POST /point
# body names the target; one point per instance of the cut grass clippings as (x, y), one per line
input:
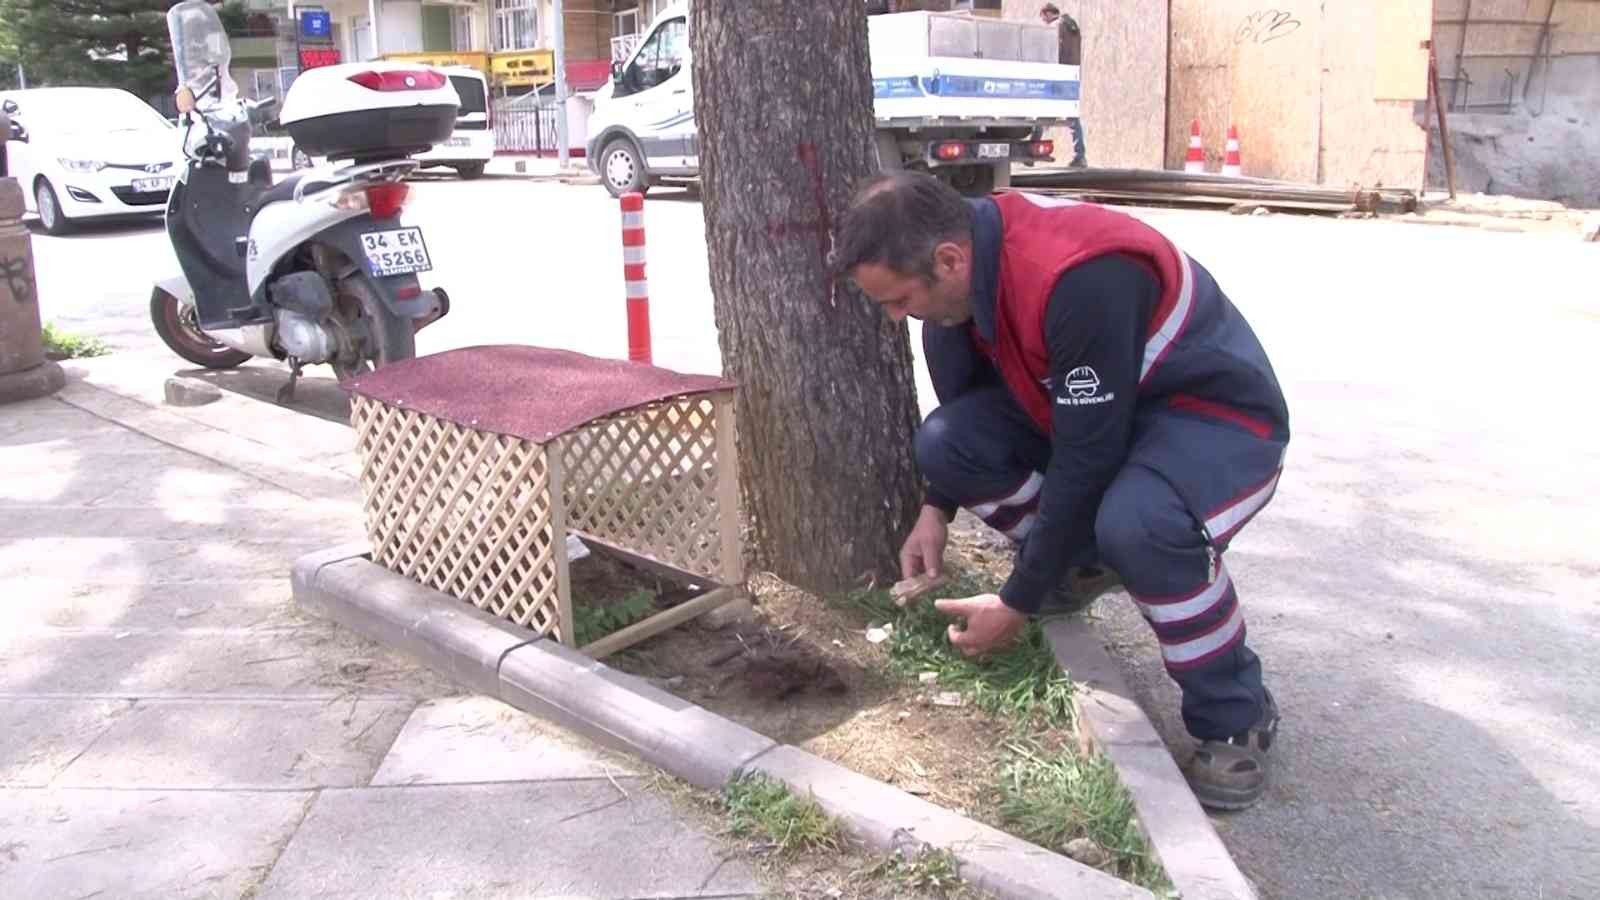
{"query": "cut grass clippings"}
(1022, 685)
(72, 346)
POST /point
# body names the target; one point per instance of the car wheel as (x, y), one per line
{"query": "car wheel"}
(471, 171)
(622, 168)
(50, 215)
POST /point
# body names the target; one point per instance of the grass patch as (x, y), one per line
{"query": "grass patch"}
(758, 806)
(591, 623)
(72, 346)
(1021, 685)
(1050, 797)
(936, 871)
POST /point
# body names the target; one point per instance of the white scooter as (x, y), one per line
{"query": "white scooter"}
(317, 268)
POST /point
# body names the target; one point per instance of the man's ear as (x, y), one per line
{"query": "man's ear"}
(951, 258)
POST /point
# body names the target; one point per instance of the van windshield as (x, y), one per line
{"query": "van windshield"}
(473, 99)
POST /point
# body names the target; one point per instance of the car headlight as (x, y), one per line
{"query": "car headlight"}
(82, 165)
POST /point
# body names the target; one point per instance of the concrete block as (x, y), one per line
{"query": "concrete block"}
(461, 740)
(627, 713)
(39, 381)
(39, 738)
(558, 839)
(182, 391)
(1110, 720)
(141, 843)
(303, 573)
(888, 818)
(448, 636)
(247, 745)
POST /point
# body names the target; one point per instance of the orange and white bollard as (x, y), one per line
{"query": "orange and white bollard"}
(1232, 165)
(638, 290)
(1196, 160)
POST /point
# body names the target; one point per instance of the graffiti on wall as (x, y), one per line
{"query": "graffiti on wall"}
(17, 276)
(1265, 26)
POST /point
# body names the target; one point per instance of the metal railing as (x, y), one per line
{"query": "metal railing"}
(623, 45)
(524, 127)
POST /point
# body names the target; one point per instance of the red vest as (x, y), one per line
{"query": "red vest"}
(1041, 239)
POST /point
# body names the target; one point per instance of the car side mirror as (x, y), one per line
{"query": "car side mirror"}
(616, 70)
(10, 107)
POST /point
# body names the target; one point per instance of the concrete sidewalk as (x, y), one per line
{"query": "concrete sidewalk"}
(171, 726)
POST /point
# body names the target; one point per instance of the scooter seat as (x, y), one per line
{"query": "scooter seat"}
(283, 191)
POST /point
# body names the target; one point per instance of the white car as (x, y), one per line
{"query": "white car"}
(83, 153)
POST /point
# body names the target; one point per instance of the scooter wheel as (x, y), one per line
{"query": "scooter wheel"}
(180, 331)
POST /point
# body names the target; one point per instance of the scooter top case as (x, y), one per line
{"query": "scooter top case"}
(370, 111)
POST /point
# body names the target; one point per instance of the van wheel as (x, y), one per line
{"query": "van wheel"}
(471, 171)
(622, 168)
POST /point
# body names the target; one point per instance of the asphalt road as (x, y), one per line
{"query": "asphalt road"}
(1421, 590)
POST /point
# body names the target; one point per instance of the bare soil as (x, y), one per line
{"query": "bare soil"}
(805, 674)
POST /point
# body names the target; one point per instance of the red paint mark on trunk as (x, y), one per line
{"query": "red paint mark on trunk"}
(813, 165)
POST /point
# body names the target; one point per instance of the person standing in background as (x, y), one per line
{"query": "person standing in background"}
(1071, 54)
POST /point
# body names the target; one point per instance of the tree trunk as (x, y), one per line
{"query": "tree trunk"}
(827, 400)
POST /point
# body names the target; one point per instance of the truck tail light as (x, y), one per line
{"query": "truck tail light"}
(1042, 148)
(400, 80)
(950, 150)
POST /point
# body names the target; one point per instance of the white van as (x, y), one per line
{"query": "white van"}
(470, 146)
(959, 96)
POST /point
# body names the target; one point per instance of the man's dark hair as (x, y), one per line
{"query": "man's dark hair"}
(896, 220)
(1050, 8)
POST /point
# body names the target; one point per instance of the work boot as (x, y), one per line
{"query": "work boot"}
(1232, 774)
(1079, 588)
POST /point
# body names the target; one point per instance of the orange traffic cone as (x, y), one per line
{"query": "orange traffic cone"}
(1231, 165)
(1196, 160)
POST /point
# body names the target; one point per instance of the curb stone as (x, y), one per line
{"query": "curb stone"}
(1179, 831)
(628, 713)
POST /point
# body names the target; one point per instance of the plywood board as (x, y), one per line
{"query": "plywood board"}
(1402, 39)
(1124, 79)
(1365, 141)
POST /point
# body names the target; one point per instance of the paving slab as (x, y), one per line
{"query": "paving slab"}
(480, 739)
(306, 661)
(40, 738)
(140, 845)
(552, 839)
(198, 523)
(157, 558)
(241, 745)
(73, 603)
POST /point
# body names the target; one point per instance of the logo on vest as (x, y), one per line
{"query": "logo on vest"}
(1083, 389)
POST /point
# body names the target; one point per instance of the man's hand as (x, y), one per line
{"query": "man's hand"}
(923, 551)
(991, 625)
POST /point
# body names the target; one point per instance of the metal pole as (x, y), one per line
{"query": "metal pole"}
(561, 83)
(22, 78)
(372, 17)
(1444, 131)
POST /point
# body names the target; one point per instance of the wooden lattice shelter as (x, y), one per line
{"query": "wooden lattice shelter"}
(478, 463)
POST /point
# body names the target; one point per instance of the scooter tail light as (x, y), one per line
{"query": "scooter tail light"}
(386, 200)
(400, 80)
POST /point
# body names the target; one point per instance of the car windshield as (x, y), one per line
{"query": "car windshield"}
(91, 113)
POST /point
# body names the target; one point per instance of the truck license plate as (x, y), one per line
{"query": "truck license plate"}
(398, 252)
(148, 185)
(458, 142)
(994, 151)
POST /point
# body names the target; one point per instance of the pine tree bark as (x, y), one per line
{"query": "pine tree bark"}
(827, 400)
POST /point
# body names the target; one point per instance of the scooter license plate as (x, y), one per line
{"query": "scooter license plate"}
(398, 252)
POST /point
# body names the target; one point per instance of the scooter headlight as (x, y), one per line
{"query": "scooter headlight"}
(82, 165)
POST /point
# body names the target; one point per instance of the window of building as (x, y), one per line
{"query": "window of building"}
(461, 29)
(516, 25)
